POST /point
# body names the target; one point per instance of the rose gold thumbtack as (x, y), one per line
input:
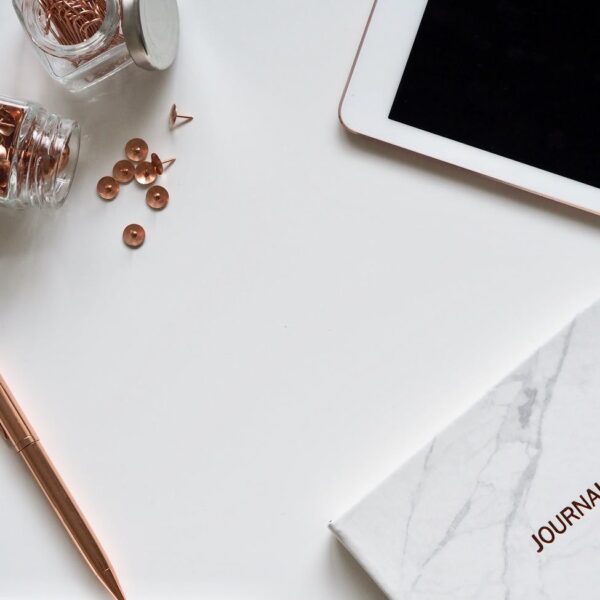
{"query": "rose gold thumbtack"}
(160, 165)
(48, 165)
(157, 197)
(7, 122)
(65, 157)
(124, 171)
(6, 128)
(134, 236)
(136, 150)
(174, 116)
(108, 188)
(145, 173)
(4, 174)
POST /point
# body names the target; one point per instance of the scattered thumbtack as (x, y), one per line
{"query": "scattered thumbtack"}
(174, 116)
(145, 173)
(134, 236)
(160, 165)
(136, 150)
(124, 171)
(108, 188)
(157, 197)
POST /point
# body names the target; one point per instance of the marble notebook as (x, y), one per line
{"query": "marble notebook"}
(505, 503)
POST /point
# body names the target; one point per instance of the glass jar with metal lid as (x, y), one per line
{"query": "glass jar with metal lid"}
(82, 42)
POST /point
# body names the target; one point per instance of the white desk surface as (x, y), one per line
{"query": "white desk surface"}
(310, 309)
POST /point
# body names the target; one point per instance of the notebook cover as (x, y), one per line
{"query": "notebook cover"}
(505, 503)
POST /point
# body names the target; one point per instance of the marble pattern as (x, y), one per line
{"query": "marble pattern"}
(456, 521)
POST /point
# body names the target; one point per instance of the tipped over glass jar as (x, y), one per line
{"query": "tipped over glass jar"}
(38, 155)
(83, 42)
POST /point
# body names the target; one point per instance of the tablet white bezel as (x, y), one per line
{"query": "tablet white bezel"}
(372, 87)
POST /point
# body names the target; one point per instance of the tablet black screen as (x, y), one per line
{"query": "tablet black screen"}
(519, 78)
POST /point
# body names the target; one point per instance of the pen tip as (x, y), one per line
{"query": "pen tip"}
(111, 582)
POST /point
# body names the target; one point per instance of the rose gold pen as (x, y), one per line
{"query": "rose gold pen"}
(16, 429)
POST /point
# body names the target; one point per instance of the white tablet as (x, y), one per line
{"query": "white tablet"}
(506, 88)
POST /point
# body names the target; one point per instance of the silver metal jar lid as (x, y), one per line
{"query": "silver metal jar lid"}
(151, 29)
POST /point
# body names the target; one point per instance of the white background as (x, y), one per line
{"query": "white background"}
(310, 309)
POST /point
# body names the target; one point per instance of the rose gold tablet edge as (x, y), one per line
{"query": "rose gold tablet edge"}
(360, 45)
(502, 181)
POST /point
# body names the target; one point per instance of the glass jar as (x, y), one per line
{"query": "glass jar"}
(38, 155)
(83, 42)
